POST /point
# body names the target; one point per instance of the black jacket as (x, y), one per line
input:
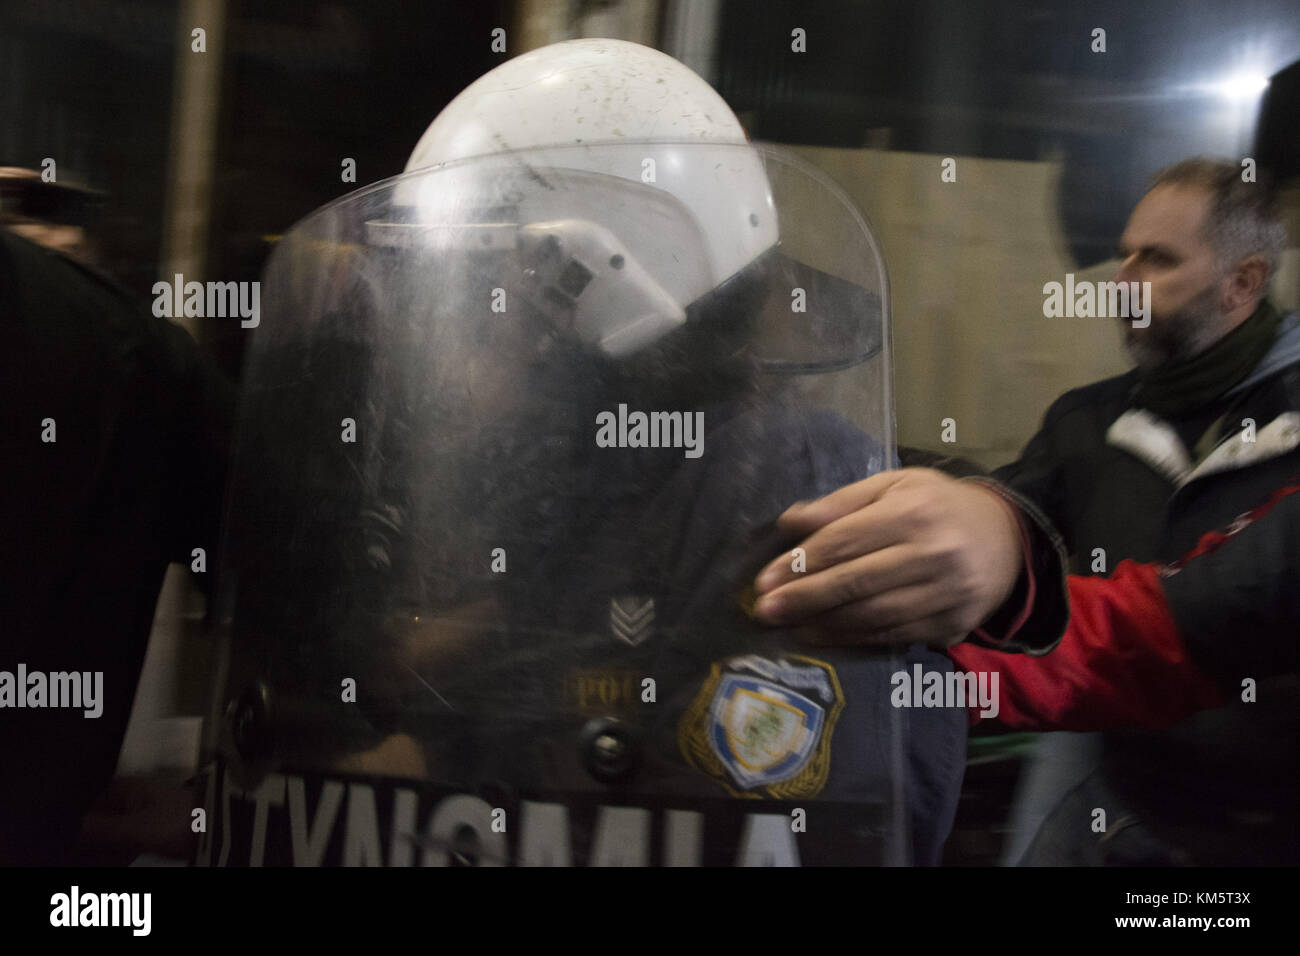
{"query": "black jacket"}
(90, 520)
(1219, 787)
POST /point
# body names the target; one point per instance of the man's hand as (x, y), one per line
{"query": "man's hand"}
(904, 556)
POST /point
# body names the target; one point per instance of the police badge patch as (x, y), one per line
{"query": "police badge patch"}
(763, 726)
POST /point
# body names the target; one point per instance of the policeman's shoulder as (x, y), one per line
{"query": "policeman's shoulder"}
(63, 294)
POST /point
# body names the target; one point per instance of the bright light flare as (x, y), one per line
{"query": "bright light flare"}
(1241, 87)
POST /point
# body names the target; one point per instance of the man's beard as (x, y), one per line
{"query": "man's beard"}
(1178, 336)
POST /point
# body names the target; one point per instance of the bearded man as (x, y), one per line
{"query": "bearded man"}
(1203, 435)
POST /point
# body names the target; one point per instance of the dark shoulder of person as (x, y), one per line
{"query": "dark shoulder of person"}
(103, 402)
(113, 436)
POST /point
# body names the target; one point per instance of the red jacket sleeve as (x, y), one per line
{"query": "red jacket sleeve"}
(1121, 663)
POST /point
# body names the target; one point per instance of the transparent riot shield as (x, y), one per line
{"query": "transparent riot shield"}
(514, 435)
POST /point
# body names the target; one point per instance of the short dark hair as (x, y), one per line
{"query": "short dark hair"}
(1243, 219)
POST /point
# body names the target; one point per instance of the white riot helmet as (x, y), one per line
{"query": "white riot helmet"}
(666, 219)
(569, 338)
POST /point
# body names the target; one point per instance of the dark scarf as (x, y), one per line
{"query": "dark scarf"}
(1183, 388)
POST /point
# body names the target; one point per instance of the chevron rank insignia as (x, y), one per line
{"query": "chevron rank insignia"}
(632, 618)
